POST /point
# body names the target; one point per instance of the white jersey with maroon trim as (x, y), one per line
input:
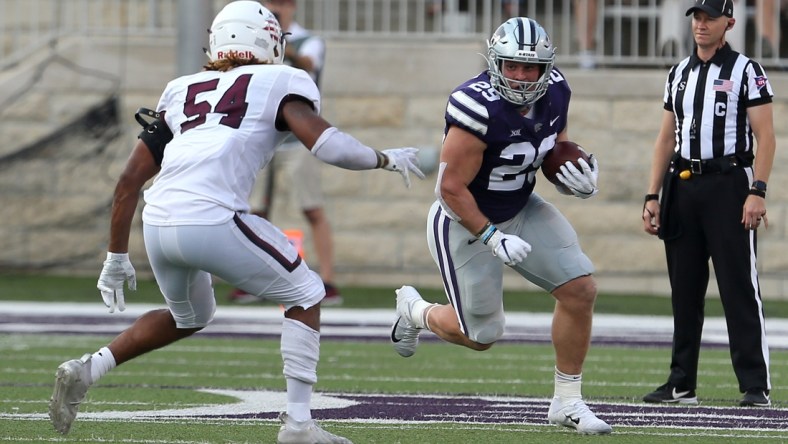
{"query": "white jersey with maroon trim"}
(224, 131)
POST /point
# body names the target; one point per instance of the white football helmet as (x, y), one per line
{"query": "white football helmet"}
(522, 40)
(247, 29)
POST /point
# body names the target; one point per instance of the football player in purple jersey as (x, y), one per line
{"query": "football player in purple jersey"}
(499, 127)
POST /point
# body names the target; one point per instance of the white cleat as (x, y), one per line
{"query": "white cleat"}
(306, 432)
(404, 333)
(575, 414)
(72, 380)
(404, 337)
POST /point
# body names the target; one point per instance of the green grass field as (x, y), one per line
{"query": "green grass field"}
(169, 379)
(83, 289)
(174, 379)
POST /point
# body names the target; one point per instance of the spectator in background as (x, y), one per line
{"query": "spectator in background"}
(455, 15)
(308, 52)
(585, 21)
(513, 8)
(585, 15)
(768, 16)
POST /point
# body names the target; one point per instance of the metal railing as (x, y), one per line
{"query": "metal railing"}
(627, 32)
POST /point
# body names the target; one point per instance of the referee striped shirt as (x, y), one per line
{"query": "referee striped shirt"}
(710, 101)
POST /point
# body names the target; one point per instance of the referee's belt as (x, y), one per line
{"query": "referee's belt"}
(709, 166)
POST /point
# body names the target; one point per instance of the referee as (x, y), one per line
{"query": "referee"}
(718, 108)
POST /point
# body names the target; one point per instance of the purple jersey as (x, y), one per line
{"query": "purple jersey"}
(516, 145)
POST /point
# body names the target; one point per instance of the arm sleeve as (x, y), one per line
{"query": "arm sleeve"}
(345, 151)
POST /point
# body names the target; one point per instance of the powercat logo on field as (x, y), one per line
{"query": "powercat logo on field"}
(381, 408)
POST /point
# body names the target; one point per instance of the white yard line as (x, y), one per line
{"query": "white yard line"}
(361, 323)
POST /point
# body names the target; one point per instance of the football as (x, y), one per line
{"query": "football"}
(561, 153)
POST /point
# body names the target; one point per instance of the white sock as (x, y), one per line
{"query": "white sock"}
(427, 315)
(299, 397)
(101, 362)
(418, 312)
(568, 386)
(300, 346)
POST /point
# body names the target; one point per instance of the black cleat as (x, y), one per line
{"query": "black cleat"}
(756, 398)
(668, 393)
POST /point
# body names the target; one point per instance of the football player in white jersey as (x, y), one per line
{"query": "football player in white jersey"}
(225, 123)
(302, 171)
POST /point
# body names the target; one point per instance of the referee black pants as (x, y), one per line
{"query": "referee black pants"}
(708, 210)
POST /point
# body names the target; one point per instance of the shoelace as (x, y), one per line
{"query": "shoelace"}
(410, 333)
(319, 430)
(581, 409)
(313, 427)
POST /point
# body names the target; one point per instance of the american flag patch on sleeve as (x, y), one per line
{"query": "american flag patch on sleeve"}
(722, 85)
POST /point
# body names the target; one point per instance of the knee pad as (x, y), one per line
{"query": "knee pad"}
(189, 315)
(490, 331)
(300, 346)
(204, 316)
(489, 334)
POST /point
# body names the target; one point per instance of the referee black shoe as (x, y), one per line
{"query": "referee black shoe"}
(756, 398)
(669, 393)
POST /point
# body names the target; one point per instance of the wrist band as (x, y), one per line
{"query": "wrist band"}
(759, 185)
(759, 193)
(488, 233)
(381, 159)
(484, 228)
(650, 197)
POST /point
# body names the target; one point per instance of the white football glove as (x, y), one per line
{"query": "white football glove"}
(117, 269)
(581, 184)
(563, 189)
(403, 160)
(509, 248)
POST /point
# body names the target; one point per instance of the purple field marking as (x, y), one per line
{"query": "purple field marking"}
(502, 410)
(379, 408)
(398, 408)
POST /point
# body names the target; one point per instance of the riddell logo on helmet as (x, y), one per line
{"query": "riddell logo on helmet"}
(529, 54)
(235, 54)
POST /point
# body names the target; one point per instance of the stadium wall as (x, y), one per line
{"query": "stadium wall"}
(388, 94)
